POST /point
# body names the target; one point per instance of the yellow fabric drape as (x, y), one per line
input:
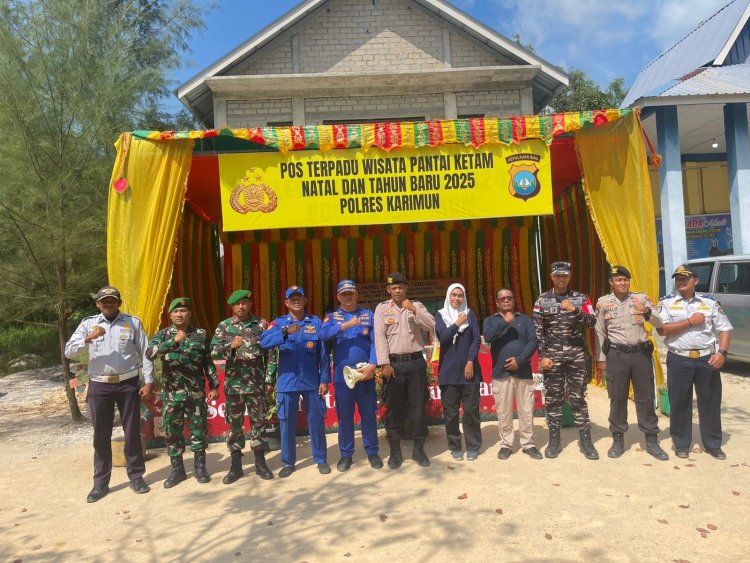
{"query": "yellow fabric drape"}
(618, 195)
(143, 222)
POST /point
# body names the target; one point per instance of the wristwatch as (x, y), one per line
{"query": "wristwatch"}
(285, 331)
(724, 352)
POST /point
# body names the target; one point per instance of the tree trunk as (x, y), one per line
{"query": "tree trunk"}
(62, 332)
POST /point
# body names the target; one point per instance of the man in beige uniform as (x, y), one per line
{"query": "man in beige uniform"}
(624, 351)
(399, 326)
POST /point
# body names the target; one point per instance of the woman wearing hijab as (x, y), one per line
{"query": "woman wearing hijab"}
(459, 374)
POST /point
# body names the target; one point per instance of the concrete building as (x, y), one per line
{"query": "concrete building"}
(344, 61)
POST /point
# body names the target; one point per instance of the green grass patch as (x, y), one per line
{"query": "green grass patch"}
(16, 341)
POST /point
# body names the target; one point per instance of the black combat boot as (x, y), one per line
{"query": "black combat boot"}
(553, 447)
(618, 445)
(178, 473)
(396, 458)
(653, 448)
(235, 471)
(260, 465)
(586, 445)
(418, 454)
(199, 467)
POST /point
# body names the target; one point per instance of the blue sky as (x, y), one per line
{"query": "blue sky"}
(605, 38)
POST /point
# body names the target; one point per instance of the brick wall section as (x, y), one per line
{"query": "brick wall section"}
(258, 113)
(275, 58)
(341, 40)
(318, 110)
(491, 103)
(467, 53)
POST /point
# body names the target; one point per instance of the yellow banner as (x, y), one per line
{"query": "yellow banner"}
(349, 187)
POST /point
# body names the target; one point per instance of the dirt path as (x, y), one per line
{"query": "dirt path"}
(631, 509)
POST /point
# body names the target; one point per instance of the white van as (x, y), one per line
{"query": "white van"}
(728, 279)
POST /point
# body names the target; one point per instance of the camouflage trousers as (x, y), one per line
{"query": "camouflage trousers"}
(173, 415)
(255, 404)
(570, 369)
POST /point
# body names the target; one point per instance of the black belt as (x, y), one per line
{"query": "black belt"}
(568, 341)
(405, 357)
(627, 348)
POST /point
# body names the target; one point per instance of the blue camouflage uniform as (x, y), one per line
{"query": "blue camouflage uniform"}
(303, 365)
(351, 346)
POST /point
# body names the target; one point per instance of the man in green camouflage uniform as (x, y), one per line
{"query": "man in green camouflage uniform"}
(236, 341)
(186, 360)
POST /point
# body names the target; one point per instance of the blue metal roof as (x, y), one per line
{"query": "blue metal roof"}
(698, 49)
(734, 79)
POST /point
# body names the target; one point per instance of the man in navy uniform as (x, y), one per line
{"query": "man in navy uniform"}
(349, 330)
(304, 370)
(690, 323)
(115, 342)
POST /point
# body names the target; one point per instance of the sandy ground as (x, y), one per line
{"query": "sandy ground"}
(630, 509)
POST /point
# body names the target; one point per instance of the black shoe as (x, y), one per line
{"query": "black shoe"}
(286, 471)
(682, 452)
(654, 449)
(375, 461)
(618, 445)
(97, 493)
(324, 468)
(419, 455)
(199, 467)
(586, 445)
(718, 453)
(261, 468)
(504, 453)
(395, 459)
(235, 470)
(139, 486)
(533, 453)
(344, 464)
(178, 473)
(553, 447)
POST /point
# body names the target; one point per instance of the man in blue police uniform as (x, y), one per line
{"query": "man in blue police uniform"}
(690, 323)
(115, 342)
(349, 330)
(304, 370)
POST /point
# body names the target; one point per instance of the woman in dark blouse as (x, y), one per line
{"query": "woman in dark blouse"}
(459, 374)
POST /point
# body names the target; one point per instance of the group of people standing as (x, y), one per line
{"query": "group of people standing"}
(291, 357)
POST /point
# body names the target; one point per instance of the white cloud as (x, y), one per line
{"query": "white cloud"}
(674, 19)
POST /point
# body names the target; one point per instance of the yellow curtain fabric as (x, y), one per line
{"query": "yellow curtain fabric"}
(618, 195)
(143, 222)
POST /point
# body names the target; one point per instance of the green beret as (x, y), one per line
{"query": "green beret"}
(179, 302)
(239, 295)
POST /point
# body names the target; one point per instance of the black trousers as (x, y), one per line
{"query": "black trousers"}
(682, 374)
(453, 396)
(622, 368)
(102, 399)
(406, 395)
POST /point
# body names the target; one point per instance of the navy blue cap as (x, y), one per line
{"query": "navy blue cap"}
(294, 289)
(346, 285)
(560, 268)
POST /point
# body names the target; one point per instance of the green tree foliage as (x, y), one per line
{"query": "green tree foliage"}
(73, 75)
(584, 94)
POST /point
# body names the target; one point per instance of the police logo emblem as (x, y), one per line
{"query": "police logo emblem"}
(524, 175)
